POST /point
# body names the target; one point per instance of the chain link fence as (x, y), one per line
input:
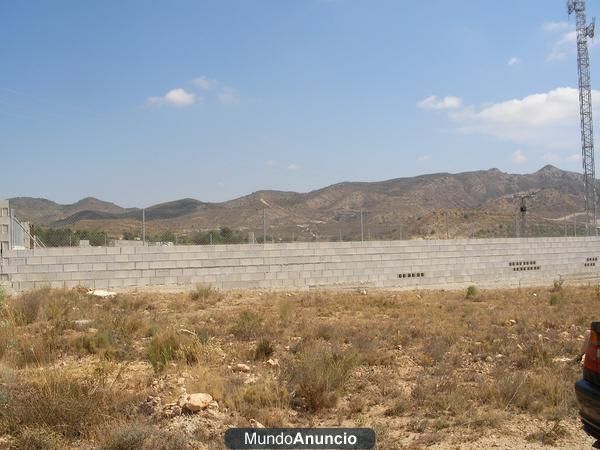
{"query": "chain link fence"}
(357, 226)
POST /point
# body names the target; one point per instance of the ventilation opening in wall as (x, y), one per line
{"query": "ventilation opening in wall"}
(411, 275)
(522, 264)
(524, 269)
(590, 261)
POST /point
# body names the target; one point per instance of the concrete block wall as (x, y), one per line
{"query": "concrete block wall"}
(382, 264)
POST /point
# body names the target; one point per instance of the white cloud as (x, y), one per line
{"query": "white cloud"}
(293, 167)
(518, 157)
(227, 96)
(175, 97)
(549, 119)
(424, 158)
(514, 61)
(563, 46)
(550, 157)
(575, 157)
(205, 83)
(433, 102)
(555, 26)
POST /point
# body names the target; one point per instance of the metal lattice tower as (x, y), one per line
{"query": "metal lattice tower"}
(585, 31)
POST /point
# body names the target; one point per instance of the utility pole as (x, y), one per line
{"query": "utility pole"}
(585, 32)
(144, 226)
(362, 229)
(446, 217)
(266, 205)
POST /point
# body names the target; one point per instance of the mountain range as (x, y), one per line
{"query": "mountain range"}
(462, 205)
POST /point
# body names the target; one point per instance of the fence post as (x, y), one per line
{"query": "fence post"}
(362, 230)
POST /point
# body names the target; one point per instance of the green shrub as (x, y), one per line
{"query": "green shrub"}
(557, 285)
(471, 292)
(554, 299)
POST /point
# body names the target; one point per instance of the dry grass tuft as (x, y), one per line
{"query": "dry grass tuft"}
(264, 349)
(248, 325)
(318, 374)
(169, 346)
(69, 404)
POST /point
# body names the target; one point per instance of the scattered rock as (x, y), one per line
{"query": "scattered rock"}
(214, 405)
(150, 406)
(273, 362)
(82, 322)
(241, 368)
(251, 379)
(586, 341)
(362, 292)
(172, 410)
(512, 322)
(489, 359)
(197, 402)
(256, 424)
(562, 359)
(184, 331)
(102, 293)
(92, 330)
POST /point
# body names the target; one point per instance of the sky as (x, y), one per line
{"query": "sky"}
(139, 102)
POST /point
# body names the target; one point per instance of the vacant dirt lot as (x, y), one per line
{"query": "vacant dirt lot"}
(424, 369)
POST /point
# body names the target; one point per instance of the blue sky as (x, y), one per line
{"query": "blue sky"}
(140, 102)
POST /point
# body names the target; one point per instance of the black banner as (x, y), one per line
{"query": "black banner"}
(300, 438)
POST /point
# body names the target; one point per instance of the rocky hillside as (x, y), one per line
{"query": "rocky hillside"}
(484, 196)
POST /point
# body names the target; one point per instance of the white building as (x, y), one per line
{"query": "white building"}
(5, 225)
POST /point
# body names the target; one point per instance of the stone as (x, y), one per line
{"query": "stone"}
(256, 424)
(82, 322)
(586, 341)
(150, 406)
(241, 368)
(273, 362)
(197, 402)
(252, 379)
(102, 293)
